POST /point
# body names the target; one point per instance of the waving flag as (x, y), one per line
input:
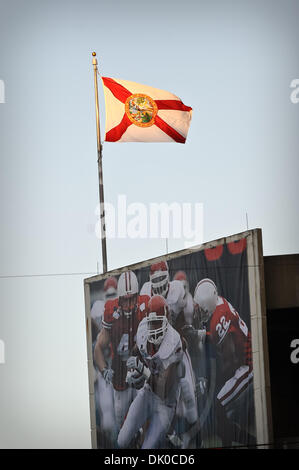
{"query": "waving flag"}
(140, 113)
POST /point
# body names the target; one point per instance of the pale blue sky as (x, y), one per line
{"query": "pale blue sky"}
(232, 61)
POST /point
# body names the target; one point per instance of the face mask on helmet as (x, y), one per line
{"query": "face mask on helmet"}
(159, 283)
(110, 288)
(156, 328)
(110, 294)
(202, 314)
(128, 304)
(127, 292)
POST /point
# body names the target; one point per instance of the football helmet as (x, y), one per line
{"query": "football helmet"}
(110, 288)
(157, 319)
(181, 276)
(127, 292)
(205, 299)
(159, 278)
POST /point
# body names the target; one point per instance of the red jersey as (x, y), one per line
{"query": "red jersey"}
(226, 321)
(123, 335)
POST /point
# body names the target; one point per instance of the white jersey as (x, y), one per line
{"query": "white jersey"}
(188, 308)
(174, 298)
(169, 352)
(149, 406)
(97, 312)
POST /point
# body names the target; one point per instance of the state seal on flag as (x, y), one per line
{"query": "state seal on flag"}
(141, 109)
(140, 113)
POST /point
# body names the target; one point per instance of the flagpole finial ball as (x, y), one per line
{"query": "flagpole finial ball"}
(94, 54)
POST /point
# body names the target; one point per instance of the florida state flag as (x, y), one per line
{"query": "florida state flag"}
(140, 113)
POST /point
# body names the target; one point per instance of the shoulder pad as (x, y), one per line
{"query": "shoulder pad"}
(141, 338)
(170, 343)
(110, 312)
(146, 289)
(176, 292)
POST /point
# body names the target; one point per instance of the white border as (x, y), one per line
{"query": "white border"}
(261, 374)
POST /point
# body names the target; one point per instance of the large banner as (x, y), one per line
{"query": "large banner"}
(172, 354)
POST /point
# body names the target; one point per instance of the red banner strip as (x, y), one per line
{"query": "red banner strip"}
(237, 247)
(212, 254)
(172, 104)
(169, 130)
(119, 91)
(116, 132)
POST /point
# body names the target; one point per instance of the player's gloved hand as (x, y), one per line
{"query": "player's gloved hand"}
(135, 379)
(190, 334)
(201, 335)
(107, 374)
(133, 363)
(202, 385)
(185, 438)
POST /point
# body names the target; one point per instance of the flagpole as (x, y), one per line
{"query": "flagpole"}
(100, 169)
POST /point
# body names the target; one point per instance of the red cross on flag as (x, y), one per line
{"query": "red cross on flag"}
(140, 113)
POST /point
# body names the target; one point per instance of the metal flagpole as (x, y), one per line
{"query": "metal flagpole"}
(100, 169)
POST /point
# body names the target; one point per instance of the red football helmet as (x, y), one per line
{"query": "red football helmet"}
(159, 277)
(182, 276)
(157, 319)
(110, 288)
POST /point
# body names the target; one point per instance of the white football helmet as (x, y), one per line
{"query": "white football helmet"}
(157, 320)
(159, 277)
(127, 292)
(205, 299)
